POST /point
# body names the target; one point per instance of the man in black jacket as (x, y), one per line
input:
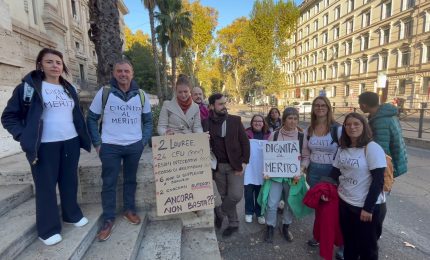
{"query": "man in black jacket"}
(231, 147)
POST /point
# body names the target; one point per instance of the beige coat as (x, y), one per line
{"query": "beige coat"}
(172, 117)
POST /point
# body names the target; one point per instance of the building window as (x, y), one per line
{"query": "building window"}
(81, 71)
(300, 34)
(307, 30)
(347, 68)
(384, 36)
(77, 45)
(428, 53)
(315, 42)
(324, 73)
(350, 5)
(408, 4)
(337, 13)
(348, 47)
(325, 20)
(335, 32)
(363, 65)
(405, 58)
(316, 25)
(325, 37)
(34, 4)
(383, 62)
(426, 21)
(334, 71)
(408, 28)
(364, 42)
(402, 86)
(366, 19)
(335, 51)
(74, 10)
(315, 58)
(386, 10)
(326, 3)
(362, 88)
(347, 90)
(324, 54)
(349, 26)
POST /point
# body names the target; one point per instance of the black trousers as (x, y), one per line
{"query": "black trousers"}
(58, 163)
(360, 238)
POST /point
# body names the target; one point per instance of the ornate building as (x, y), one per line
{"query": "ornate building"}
(27, 26)
(342, 48)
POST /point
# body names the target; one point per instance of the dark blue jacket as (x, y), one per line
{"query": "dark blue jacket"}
(93, 118)
(24, 121)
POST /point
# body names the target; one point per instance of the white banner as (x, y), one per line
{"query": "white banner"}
(282, 159)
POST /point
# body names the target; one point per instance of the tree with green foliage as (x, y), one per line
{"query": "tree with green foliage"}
(177, 26)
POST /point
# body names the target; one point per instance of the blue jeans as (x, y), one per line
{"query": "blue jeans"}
(111, 156)
(251, 195)
(316, 171)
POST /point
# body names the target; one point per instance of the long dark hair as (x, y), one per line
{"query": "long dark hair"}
(269, 117)
(265, 128)
(330, 119)
(366, 135)
(45, 51)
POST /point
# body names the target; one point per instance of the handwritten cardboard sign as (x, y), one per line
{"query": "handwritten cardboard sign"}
(281, 159)
(183, 175)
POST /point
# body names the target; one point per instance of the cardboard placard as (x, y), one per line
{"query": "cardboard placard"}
(282, 159)
(183, 175)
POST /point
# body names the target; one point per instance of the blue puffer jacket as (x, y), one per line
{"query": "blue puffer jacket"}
(25, 123)
(387, 132)
(93, 118)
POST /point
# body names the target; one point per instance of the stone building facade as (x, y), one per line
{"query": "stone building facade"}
(342, 48)
(29, 25)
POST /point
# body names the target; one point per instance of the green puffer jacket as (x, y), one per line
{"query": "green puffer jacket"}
(387, 132)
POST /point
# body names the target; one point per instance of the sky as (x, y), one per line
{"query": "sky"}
(228, 11)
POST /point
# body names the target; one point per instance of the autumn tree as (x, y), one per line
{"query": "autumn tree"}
(105, 34)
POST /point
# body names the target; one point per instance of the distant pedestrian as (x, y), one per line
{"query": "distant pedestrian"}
(230, 145)
(198, 98)
(359, 168)
(386, 129)
(181, 114)
(254, 171)
(273, 119)
(43, 114)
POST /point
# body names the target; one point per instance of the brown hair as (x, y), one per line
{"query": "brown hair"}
(366, 135)
(45, 51)
(183, 80)
(265, 128)
(330, 119)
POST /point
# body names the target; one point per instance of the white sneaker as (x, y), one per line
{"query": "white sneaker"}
(52, 240)
(248, 218)
(80, 223)
(261, 220)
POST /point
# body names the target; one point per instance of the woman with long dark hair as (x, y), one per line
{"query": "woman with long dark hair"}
(43, 114)
(273, 119)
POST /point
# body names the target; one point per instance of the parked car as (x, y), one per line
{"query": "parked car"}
(302, 106)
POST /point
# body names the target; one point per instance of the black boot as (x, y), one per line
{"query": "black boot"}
(269, 234)
(286, 233)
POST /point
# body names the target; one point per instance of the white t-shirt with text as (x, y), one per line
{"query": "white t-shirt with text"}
(322, 148)
(57, 114)
(355, 178)
(122, 120)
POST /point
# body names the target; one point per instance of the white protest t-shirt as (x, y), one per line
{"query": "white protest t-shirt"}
(355, 178)
(122, 120)
(254, 169)
(57, 114)
(322, 148)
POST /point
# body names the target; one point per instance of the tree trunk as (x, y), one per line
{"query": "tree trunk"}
(105, 34)
(173, 74)
(164, 65)
(155, 54)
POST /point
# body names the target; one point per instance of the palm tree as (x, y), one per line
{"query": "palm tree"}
(105, 33)
(177, 27)
(150, 5)
(163, 40)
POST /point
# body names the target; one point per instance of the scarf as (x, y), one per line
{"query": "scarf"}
(185, 105)
(291, 133)
(218, 124)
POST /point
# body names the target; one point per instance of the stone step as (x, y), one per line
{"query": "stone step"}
(17, 229)
(162, 240)
(199, 242)
(75, 240)
(13, 195)
(124, 242)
